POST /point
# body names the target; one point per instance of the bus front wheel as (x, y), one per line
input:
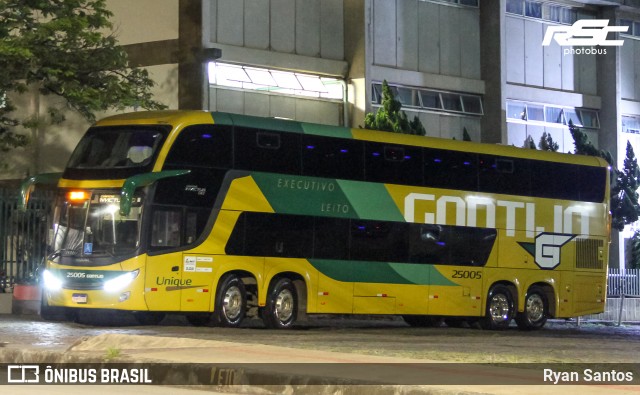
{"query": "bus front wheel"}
(231, 302)
(500, 308)
(536, 310)
(281, 309)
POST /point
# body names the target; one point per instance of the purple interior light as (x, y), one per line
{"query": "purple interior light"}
(206, 136)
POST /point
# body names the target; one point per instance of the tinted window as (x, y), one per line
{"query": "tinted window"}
(450, 169)
(331, 238)
(332, 158)
(498, 174)
(202, 145)
(378, 241)
(555, 180)
(278, 235)
(267, 151)
(393, 164)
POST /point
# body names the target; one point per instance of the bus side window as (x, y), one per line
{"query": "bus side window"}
(260, 150)
(393, 164)
(166, 228)
(332, 158)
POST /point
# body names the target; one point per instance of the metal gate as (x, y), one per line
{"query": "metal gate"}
(23, 235)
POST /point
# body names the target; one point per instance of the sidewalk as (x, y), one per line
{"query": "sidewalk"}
(263, 369)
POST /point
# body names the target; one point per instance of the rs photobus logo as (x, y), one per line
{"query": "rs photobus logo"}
(585, 32)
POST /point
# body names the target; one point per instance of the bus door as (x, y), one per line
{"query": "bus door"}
(162, 277)
(196, 284)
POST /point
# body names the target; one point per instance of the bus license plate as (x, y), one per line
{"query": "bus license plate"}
(79, 298)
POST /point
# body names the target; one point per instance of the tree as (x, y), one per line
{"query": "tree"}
(391, 118)
(627, 210)
(529, 143)
(58, 47)
(547, 144)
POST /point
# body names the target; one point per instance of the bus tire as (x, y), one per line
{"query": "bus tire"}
(281, 309)
(51, 313)
(536, 310)
(231, 302)
(423, 320)
(500, 308)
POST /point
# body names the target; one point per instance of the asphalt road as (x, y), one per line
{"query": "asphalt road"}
(559, 341)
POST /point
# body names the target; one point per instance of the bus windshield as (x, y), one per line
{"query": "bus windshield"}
(95, 228)
(116, 147)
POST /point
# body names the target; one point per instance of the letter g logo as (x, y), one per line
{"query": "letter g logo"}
(546, 249)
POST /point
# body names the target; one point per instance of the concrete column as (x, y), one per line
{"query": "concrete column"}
(191, 78)
(609, 137)
(493, 71)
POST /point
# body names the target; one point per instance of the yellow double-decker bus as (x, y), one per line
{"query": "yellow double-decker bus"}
(219, 216)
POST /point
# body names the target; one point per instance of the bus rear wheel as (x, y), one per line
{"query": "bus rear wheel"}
(231, 302)
(500, 308)
(281, 309)
(536, 310)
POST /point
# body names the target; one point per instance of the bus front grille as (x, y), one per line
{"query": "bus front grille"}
(589, 254)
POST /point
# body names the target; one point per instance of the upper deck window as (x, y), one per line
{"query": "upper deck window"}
(116, 147)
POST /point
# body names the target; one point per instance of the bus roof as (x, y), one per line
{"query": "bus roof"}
(177, 118)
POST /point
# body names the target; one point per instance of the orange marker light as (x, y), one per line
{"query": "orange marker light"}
(77, 195)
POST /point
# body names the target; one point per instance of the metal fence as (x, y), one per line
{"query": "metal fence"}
(23, 235)
(623, 282)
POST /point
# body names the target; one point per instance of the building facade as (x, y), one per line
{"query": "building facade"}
(478, 66)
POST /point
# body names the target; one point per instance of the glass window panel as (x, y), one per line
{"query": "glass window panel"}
(553, 114)
(515, 6)
(589, 118)
(554, 13)
(471, 3)
(533, 9)
(572, 115)
(311, 83)
(628, 23)
(286, 80)
(569, 16)
(260, 76)
(431, 99)
(232, 73)
(516, 110)
(636, 29)
(472, 104)
(535, 112)
(376, 93)
(451, 102)
(408, 97)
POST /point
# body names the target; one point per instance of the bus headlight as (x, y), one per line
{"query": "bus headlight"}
(120, 282)
(50, 281)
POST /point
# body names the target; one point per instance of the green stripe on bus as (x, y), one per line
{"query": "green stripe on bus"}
(371, 201)
(304, 195)
(327, 197)
(381, 272)
(327, 131)
(258, 123)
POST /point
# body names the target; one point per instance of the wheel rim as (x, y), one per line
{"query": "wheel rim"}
(499, 308)
(284, 305)
(535, 308)
(232, 303)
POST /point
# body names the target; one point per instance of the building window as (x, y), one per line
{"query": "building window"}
(468, 3)
(545, 11)
(274, 81)
(631, 124)
(431, 100)
(532, 112)
(634, 27)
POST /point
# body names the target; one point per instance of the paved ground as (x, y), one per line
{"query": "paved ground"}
(265, 368)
